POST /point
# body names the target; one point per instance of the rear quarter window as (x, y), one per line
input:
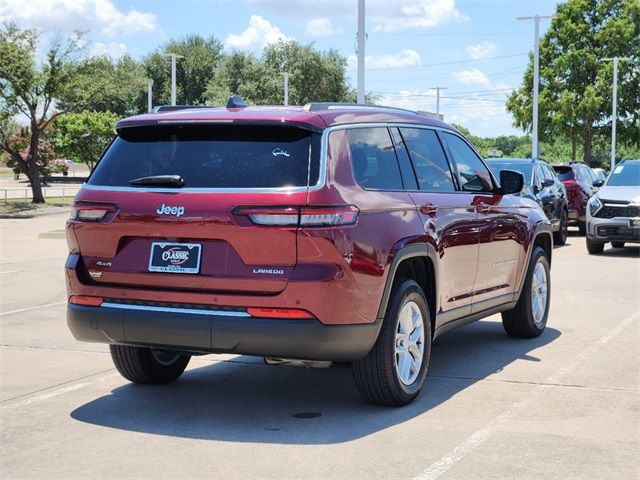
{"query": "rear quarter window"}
(373, 156)
(205, 156)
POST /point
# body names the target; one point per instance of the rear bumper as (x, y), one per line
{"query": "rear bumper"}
(209, 331)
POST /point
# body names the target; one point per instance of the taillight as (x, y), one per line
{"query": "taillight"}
(273, 216)
(91, 212)
(301, 216)
(278, 313)
(85, 300)
(328, 216)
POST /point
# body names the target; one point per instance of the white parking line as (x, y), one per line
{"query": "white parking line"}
(436, 469)
(51, 392)
(47, 305)
(8, 271)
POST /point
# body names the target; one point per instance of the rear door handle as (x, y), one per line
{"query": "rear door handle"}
(428, 209)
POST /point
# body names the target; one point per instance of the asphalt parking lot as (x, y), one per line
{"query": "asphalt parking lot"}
(564, 405)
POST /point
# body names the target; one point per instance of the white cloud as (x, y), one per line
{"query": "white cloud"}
(482, 50)
(68, 15)
(471, 77)
(321, 27)
(258, 34)
(406, 58)
(115, 50)
(397, 15)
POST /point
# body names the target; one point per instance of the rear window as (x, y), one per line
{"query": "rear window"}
(205, 156)
(564, 173)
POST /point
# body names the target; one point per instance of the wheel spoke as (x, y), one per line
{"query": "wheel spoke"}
(405, 365)
(416, 354)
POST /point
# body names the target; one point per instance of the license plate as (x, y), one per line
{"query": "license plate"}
(175, 257)
(634, 223)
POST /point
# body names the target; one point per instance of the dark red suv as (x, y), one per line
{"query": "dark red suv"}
(328, 232)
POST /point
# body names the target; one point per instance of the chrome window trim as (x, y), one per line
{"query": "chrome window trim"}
(195, 311)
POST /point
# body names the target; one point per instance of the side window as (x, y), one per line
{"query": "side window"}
(549, 172)
(374, 159)
(429, 162)
(474, 176)
(539, 176)
(408, 177)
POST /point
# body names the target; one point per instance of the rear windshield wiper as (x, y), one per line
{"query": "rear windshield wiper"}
(159, 181)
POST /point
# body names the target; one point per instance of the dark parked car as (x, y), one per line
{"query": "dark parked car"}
(324, 233)
(581, 183)
(542, 185)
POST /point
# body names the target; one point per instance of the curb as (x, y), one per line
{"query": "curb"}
(35, 212)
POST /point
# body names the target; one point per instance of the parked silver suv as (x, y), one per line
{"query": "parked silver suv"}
(613, 214)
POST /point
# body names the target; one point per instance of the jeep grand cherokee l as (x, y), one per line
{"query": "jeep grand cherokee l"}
(324, 233)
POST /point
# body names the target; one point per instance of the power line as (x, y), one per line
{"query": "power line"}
(455, 62)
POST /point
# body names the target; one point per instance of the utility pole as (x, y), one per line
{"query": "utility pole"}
(173, 57)
(437, 89)
(614, 106)
(149, 95)
(360, 52)
(536, 80)
(286, 88)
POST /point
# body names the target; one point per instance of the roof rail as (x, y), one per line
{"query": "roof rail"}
(173, 108)
(320, 106)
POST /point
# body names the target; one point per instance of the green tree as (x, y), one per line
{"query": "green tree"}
(243, 74)
(31, 90)
(106, 85)
(575, 85)
(193, 72)
(84, 136)
(315, 76)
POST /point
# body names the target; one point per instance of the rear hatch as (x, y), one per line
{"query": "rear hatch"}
(188, 207)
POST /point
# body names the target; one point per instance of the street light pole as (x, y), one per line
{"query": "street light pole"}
(614, 107)
(437, 89)
(149, 95)
(173, 57)
(536, 80)
(360, 52)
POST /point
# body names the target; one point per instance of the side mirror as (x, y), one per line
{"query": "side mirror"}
(547, 182)
(598, 183)
(511, 182)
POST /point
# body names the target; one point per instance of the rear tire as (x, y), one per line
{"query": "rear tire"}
(617, 244)
(148, 366)
(560, 237)
(594, 248)
(528, 318)
(394, 372)
(582, 228)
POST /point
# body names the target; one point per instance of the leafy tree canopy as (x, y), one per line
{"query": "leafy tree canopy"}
(575, 85)
(83, 137)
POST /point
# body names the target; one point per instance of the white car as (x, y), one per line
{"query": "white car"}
(613, 214)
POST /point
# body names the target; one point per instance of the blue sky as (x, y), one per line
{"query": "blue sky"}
(475, 48)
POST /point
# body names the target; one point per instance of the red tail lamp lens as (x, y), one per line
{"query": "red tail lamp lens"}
(85, 212)
(85, 300)
(278, 313)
